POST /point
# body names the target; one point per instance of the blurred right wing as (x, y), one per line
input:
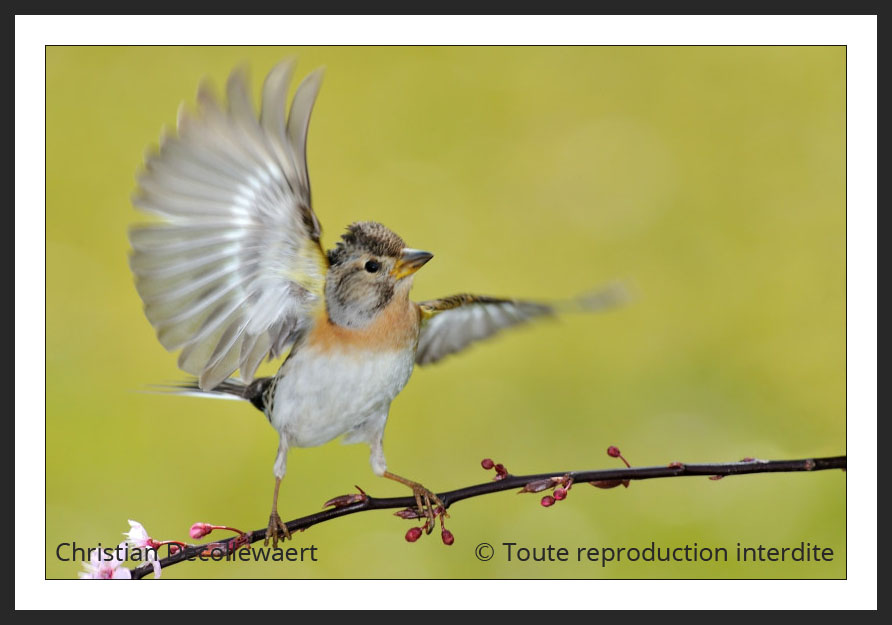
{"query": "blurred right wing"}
(451, 324)
(235, 270)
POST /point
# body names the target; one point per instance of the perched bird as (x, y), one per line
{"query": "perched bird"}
(235, 272)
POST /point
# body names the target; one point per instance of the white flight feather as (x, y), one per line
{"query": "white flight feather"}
(221, 276)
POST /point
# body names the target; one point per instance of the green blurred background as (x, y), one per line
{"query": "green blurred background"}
(711, 179)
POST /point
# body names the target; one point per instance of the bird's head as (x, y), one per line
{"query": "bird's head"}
(369, 267)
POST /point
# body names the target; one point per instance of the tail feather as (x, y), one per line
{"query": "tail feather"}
(228, 389)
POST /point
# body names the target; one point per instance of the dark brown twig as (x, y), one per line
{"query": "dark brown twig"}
(222, 548)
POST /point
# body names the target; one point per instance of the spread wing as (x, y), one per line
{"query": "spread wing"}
(234, 269)
(451, 324)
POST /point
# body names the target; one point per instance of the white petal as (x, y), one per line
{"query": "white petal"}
(121, 572)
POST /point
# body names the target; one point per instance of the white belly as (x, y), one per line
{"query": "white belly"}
(320, 396)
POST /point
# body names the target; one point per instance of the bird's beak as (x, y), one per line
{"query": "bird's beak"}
(409, 262)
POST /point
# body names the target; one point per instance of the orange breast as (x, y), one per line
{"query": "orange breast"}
(395, 329)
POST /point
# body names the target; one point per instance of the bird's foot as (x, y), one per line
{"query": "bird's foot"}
(275, 528)
(429, 506)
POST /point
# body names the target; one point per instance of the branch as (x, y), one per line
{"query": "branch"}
(504, 481)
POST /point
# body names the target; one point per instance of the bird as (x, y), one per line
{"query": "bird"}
(231, 270)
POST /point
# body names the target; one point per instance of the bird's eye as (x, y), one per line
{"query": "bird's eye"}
(372, 266)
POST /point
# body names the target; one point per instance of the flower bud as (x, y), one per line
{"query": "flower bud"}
(447, 537)
(413, 534)
(537, 486)
(606, 483)
(345, 500)
(547, 501)
(200, 529)
(487, 463)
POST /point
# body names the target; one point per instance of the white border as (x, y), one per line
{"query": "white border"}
(859, 33)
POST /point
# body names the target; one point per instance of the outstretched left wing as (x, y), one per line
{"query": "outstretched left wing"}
(234, 270)
(451, 324)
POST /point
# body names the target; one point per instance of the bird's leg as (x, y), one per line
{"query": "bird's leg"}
(423, 499)
(275, 521)
(276, 526)
(428, 504)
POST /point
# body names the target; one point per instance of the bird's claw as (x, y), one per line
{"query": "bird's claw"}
(429, 506)
(275, 527)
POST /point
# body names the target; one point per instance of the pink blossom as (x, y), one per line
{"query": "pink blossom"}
(152, 556)
(138, 537)
(99, 567)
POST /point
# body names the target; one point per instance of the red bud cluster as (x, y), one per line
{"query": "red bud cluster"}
(501, 471)
(560, 485)
(429, 523)
(614, 452)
